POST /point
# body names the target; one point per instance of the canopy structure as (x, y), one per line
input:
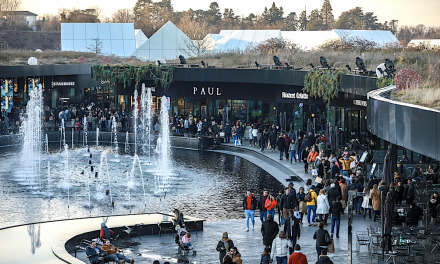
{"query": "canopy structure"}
(426, 43)
(380, 37)
(240, 40)
(139, 37)
(308, 40)
(167, 43)
(116, 39)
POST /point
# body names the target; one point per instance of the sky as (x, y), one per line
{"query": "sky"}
(408, 12)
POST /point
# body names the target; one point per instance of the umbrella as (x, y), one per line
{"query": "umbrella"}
(309, 127)
(389, 211)
(390, 164)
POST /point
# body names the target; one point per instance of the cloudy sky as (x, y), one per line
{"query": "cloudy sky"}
(408, 12)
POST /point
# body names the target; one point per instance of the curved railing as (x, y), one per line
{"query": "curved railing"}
(413, 127)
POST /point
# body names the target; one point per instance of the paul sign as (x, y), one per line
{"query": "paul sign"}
(207, 91)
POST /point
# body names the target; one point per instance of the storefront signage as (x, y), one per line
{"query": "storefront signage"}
(63, 83)
(206, 91)
(287, 95)
(360, 103)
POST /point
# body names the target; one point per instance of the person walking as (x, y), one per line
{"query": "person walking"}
(249, 206)
(262, 206)
(375, 200)
(311, 199)
(281, 144)
(304, 155)
(322, 238)
(336, 210)
(323, 207)
(287, 146)
(270, 205)
(292, 229)
(367, 202)
(280, 248)
(293, 149)
(297, 257)
(224, 246)
(302, 205)
(269, 230)
(323, 258)
(286, 202)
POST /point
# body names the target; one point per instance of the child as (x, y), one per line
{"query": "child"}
(186, 239)
(265, 257)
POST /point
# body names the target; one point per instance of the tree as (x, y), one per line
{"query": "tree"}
(7, 8)
(213, 15)
(48, 23)
(150, 16)
(370, 21)
(315, 21)
(274, 14)
(78, 16)
(123, 16)
(291, 22)
(196, 31)
(95, 46)
(328, 20)
(303, 21)
(351, 19)
(229, 18)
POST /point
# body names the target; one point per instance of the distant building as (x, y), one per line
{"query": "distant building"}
(21, 17)
(425, 43)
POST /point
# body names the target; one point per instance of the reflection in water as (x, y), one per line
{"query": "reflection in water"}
(34, 233)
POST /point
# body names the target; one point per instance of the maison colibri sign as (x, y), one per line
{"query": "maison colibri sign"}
(206, 91)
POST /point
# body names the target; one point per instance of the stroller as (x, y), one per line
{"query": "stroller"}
(182, 248)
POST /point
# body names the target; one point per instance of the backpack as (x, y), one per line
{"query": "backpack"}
(308, 197)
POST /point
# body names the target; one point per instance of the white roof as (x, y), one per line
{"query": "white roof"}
(139, 37)
(166, 43)
(428, 43)
(380, 37)
(112, 38)
(308, 40)
(240, 40)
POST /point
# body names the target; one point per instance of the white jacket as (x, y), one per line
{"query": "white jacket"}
(280, 247)
(323, 206)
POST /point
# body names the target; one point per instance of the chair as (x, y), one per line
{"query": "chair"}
(362, 239)
(135, 230)
(165, 226)
(191, 227)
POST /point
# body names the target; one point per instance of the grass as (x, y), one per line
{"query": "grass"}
(424, 96)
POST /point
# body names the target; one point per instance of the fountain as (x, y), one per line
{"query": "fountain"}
(115, 132)
(47, 145)
(163, 142)
(135, 116)
(85, 144)
(127, 144)
(32, 133)
(97, 136)
(100, 174)
(149, 118)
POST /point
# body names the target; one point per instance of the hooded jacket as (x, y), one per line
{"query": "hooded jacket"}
(297, 258)
(324, 260)
(269, 230)
(253, 205)
(280, 247)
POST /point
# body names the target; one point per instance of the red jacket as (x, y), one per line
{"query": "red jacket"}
(272, 203)
(297, 258)
(101, 234)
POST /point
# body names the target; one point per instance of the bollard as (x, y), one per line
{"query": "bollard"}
(91, 168)
(90, 155)
(107, 192)
(88, 150)
(96, 174)
(113, 204)
(90, 162)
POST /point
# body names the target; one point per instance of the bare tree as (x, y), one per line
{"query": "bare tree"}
(123, 16)
(95, 47)
(7, 8)
(196, 31)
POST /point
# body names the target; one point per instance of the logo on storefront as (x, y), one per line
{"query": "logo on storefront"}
(207, 91)
(63, 83)
(286, 95)
(360, 103)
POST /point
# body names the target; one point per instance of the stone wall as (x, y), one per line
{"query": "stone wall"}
(29, 40)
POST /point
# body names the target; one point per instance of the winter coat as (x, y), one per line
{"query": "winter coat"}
(324, 260)
(314, 198)
(375, 197)
(323, 206)
(344, 192)
(265, 259)
(280, 247)
(287, 140)
(253, 202)
(281, 144)
(294, 232)
(269, 230)
(297, 258)
(336, 209)
(269, 205)
(305, 143)
(366, 201)
(312, 156)
(346, 163)
(262, 203)
(319, 235)
(332, 194)
(227, 245)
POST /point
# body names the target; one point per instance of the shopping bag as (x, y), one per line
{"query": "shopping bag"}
(318, 179)
(331, 247)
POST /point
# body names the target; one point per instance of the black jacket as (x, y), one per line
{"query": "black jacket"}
(296, 231)
(281, 144)
(226, 245)
(320, 237)
(336, 208)
(262, 202)
(332, 193)
(253, 203)
(286, 201)
(324, 260)
(269, 230)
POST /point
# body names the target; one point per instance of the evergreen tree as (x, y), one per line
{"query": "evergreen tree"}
(315, 21)
(302, 23)
(213, 15)
(328, 20)
(229, 18)
(291, 22)
(370, 21)
(274, 14)
(351, 19)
